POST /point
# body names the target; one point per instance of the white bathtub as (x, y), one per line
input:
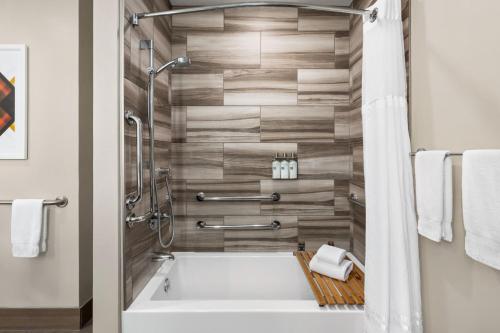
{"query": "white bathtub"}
(235, 293)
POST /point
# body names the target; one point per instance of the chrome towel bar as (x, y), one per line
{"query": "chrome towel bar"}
(59, 202)
(273, 197)
(275, 225)
(353, 198)
(447, 154)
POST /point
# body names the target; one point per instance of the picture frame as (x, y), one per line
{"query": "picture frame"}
(13, 102)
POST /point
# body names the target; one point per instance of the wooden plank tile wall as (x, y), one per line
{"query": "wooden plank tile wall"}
(140, 241)
(262, 80)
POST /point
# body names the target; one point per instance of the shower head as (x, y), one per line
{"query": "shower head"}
(177, 62)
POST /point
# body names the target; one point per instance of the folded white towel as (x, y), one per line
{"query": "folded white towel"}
(28, 228)
(481, 205)
(340, 272)
(331, 254)
(434, 192)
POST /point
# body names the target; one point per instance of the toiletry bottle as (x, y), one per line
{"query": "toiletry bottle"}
(292, 166)
(284, 167)
(276, 167)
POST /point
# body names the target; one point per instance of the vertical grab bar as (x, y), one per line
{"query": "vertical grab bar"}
(133, 199)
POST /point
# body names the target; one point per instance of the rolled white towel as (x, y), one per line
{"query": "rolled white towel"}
(331, 254)
(340, 272)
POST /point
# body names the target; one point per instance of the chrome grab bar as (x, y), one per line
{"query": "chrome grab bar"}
(273, 197)
(59, 202)
(135, 198)
(353, 198)
(275, 225)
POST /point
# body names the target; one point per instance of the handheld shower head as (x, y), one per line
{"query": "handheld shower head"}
(177, 62)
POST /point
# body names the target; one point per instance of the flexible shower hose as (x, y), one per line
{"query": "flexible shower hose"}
(171, 217)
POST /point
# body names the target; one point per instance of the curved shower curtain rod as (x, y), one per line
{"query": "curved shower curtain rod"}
(372, 14)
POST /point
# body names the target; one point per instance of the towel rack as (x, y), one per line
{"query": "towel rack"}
(423, 149)
(273, 197)
(275, 225)
(59, 202)
(353, 198)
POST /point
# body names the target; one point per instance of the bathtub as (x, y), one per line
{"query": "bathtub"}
(234, 293)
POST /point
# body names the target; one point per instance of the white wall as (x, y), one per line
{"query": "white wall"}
(51, 31)
(456, 105)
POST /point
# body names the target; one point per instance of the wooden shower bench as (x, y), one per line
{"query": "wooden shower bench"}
(328, 291)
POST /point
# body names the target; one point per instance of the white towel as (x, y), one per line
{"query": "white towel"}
(331, 254)
(434, 192)
(481, 205)
(28, 228)
(340, 272)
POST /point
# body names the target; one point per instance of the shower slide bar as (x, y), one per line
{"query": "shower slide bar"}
(353, 198)
(59, 202)
(201, 196)
(447, 154)
(372, 14)
(275, 225)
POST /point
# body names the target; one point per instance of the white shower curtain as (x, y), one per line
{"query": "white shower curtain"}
(392, 265)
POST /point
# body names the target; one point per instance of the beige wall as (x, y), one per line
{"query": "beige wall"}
(108, 164)
(456, 105)
(51, 31)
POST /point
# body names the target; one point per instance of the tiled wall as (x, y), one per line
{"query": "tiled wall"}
(262, 80)
(140, 240)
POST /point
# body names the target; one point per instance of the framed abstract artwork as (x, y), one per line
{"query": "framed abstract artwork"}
(13, 102)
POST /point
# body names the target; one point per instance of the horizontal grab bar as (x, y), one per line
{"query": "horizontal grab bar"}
(273, 197)
(353, 198)
(59, 202)
(275, 225)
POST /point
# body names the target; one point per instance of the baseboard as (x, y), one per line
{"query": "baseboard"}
(46, 318)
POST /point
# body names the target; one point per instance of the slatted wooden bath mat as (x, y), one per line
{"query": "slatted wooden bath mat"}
(328, 291)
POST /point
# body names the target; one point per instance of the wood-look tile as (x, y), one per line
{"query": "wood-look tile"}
(313, 20)
(342, 204)
(260, 87)
(179, 44)
(179, 195)
(315, 231)
(323, 86)
(224, 49)
(196, 160)
(324, 161)
(222, 188)
(297, 50)
(162, 39)
(299, 197)
(342, 122)
(358, 166)
(342, 50)
(297, 123)
(356, 122)
(252, 161)
(209, 20)
(284, 239)
(189, 238)
(223, 124)
(197, 89)
(260, 19)
(356, 41)
(359, 217)
(179, 115)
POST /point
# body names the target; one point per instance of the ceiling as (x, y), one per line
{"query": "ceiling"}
(219, 2)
